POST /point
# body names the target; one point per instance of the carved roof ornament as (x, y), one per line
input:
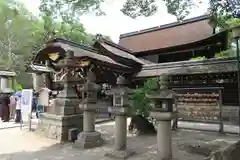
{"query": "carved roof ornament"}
(98, 37)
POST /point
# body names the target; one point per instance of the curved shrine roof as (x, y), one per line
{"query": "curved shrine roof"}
(60, 46)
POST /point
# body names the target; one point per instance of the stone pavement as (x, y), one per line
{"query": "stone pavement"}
(23, 145)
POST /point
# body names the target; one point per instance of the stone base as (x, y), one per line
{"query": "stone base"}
(87, 140)
(57, 127)
(122, 154)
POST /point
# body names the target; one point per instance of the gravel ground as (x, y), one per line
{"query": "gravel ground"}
(23, 145)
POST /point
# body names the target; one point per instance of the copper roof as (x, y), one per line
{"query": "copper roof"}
(168, 35)
(189, 67)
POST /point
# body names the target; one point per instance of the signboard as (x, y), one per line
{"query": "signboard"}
(198, 106)
(26, 106)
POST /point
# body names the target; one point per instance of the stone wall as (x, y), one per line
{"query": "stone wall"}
(57, 127)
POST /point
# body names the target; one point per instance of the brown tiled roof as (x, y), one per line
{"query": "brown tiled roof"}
(168, 35)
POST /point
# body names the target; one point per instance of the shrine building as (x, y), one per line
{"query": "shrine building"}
(161, 50)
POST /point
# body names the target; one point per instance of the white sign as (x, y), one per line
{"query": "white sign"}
(26, 105)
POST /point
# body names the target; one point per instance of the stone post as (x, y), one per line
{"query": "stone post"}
(13, 82)
(120, 110)
(64, 119)
(164, 135)
(4, 82)
(163, 113)
(89, 138)
(38, 81)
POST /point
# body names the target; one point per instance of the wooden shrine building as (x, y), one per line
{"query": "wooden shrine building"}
(152, 52)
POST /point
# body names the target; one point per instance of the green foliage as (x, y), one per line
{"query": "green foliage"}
(198, 58)
(22, 35)
(233, 22)
(140, 103)
(17, 86)
(135, 8)
(226, 54)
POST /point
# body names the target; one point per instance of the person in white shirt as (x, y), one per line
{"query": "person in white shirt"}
(12, 106)
(18, 110)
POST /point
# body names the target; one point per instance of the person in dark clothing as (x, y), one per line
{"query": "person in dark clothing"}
(5, 112)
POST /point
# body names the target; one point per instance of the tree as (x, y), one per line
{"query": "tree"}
(22, 35)
(15, 36)
(135, 8)
(140, 103)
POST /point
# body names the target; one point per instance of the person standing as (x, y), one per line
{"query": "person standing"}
(5, 101)
(12, 107)
(110, 111)
(18, 110)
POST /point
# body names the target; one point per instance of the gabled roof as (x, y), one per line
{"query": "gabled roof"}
(117, 53)
(169, 35)
(59, 45)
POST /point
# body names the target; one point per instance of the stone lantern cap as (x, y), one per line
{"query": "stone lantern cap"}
(164, 95)
(120, 91)
(89, 87)
(121, 80)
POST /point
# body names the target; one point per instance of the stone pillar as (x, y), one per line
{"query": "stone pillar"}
(120, 131)
(38, 81)
(63, 116)
(13, 82)
(164, 135)
(120, 110)
(88, 121)
(89, 138)
(163, 113)
(4, 82)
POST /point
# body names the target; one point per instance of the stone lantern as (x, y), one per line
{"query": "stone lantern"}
(63, 115)
(120, 110)
(89, 138)
(163, 113)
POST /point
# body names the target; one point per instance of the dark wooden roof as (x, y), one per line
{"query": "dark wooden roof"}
(169, 35)
(189, 67)
(60, 46)
(118, 53)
